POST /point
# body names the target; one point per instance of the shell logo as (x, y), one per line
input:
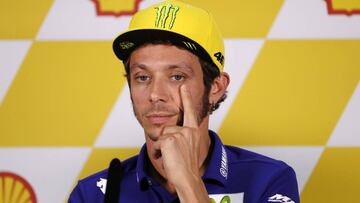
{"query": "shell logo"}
(343, 7)
(116, 7)
(14, 188)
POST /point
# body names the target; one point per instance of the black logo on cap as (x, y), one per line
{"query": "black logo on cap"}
(219, 57)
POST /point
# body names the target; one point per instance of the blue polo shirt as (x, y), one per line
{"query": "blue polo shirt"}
(233, 175)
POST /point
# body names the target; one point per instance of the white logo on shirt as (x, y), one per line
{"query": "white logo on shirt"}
(280, 198)
(102, 184)
(224, 163)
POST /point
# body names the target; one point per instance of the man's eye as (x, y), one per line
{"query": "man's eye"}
(177, 77)
(142, 78)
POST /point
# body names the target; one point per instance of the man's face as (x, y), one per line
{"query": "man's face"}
(156, 75)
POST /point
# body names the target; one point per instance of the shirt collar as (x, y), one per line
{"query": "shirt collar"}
(218, 167)
(141, 176)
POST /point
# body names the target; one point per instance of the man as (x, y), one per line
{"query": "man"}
(174, 55)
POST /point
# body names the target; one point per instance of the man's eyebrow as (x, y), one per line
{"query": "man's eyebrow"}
(138, 65)
(181, 66)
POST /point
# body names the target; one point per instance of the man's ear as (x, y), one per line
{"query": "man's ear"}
(218, 87)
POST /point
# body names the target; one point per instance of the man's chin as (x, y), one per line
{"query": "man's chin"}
(153, 133)
(155, 130)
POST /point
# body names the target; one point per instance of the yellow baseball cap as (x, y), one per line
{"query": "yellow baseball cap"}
(175, 21)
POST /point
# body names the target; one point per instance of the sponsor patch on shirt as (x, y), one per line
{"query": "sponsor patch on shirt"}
(280, 198)
(224, 163)
(227, 198)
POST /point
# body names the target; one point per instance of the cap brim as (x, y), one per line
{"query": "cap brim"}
(127, 42)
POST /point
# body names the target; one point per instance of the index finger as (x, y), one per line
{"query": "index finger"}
(190, 119)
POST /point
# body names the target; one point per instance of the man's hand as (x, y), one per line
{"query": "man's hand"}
(180, 149)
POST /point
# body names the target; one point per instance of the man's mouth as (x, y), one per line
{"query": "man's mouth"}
(159, 118)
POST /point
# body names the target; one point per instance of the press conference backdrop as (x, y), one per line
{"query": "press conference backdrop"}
(65, 110)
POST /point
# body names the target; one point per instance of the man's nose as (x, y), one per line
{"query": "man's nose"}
(158, 90)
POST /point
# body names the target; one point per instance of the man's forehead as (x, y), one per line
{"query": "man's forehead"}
(164, 55)
(162, 44)
(170, 66)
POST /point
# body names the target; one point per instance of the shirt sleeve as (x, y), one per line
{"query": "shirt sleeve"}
(282, 188)
(76, 195)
